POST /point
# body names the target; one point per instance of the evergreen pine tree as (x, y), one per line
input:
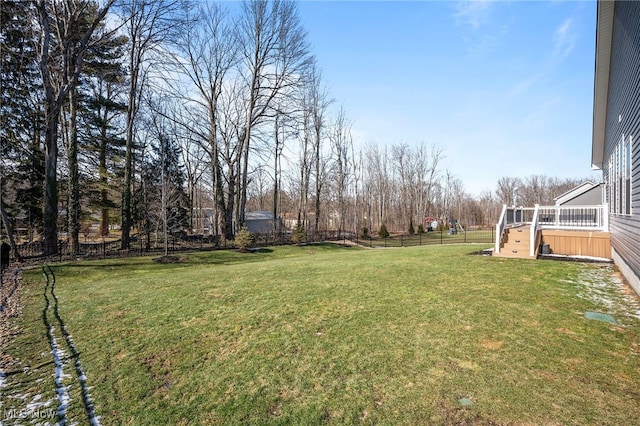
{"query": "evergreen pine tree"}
(102, 142)
(21, 119)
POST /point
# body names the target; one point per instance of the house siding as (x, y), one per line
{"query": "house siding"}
(622, 122)
(590, 198)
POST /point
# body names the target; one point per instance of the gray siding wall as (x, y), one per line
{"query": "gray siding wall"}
(590, 198)
(624, 101)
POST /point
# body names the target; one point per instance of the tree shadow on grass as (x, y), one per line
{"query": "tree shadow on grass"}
(194, 259)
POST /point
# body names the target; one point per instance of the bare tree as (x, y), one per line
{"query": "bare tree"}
(318, 102)
(507, 190)
(427, 172)
(281, 132)
(489, 208)
(274, 58)
(401, 167)
(148, 24)
(341, 146)
(379, 184)
(208, 50)
(305, 159)
(356, 162)
(193, 159)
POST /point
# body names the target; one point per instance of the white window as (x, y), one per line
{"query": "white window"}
(618, 177)
(627, 175)
(611, 187)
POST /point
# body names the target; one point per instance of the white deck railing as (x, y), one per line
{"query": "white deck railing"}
(588, 218)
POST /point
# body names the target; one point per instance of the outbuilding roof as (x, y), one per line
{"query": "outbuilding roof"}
(258, 215)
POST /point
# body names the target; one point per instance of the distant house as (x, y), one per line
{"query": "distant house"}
(616, 128)
(585, 194)
(261, 222)
(257, 222)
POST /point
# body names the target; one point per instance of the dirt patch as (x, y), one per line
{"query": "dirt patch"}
(494, 345)
(159, 368)
(274, 410)
(450, 413)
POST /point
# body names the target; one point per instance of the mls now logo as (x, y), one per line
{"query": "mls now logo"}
(45, 413)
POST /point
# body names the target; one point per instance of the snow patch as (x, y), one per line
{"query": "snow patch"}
(63, 392)
(602, 287)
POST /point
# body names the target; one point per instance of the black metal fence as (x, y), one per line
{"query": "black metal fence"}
(430, 238)
(140, 245)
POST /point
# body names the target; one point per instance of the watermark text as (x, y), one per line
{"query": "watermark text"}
(38, 413)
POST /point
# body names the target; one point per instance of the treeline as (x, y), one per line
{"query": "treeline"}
(174, 116)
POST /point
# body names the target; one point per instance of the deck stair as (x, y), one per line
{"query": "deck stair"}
(516, 242)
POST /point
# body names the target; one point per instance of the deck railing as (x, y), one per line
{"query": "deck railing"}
(588, 218)
(534, 231)
(574, 217)
(500, 227)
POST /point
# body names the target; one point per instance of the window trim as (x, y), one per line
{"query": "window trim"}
(619, 177)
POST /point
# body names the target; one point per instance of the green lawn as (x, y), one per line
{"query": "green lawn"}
(326, 334)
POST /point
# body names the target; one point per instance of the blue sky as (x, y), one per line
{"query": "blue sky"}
(482, 80)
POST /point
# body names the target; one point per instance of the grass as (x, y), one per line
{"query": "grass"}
(326, 334)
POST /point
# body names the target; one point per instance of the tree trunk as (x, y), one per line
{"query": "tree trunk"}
(316, 225)
(128, 168)
(245, 171)
(276, 182)
(232, 202)
(73, 209)
(52, 115)
(103, 176)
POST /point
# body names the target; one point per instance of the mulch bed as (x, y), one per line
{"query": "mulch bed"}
(167, 259)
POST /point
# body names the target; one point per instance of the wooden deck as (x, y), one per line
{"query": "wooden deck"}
(564, 230)
(578, 243)
(515, 243)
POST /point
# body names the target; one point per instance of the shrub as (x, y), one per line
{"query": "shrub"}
(411, 228)
(298, 235)
(383, 233)
(365, 232)
(420, 229)
(243, 240)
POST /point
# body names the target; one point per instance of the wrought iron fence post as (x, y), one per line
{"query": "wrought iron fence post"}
(441, 229)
